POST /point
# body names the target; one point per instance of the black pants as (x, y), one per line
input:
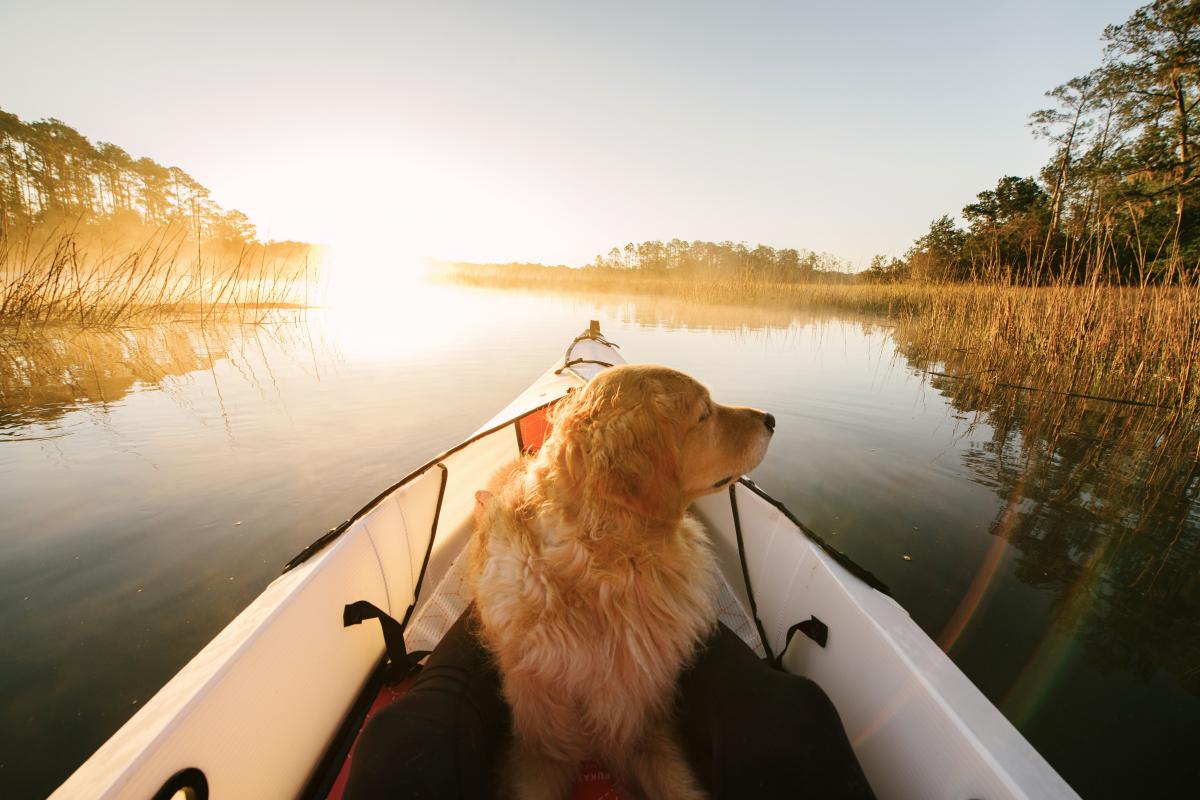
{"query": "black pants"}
(750, 731)
(755, 732)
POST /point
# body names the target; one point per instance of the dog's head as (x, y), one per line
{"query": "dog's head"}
(651, 440)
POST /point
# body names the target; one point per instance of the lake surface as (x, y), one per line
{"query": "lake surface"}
(154, 480)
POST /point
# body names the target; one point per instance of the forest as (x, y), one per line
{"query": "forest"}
(698, 260)
(90, 234)
(50, 174)
(725, 259)
(1118, 201)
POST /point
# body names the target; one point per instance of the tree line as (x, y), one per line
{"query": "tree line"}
(50, 174)
(724, 260)
(1119, 200)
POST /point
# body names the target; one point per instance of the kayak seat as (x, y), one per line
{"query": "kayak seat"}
(753, 731)
(748, 730)
(447, 735)
(442, 736)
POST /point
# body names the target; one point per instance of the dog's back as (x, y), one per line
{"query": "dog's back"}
(604, 627)
(592, 585)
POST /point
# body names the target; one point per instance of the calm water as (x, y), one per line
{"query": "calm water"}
(154, 481)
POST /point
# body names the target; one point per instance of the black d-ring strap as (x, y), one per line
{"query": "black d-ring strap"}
(190, 781)
(402, 661)
(812, 627)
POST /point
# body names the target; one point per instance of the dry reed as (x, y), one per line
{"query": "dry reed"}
(1139, 345)
(60, 280)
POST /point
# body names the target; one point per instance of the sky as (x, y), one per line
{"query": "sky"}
(552, 131)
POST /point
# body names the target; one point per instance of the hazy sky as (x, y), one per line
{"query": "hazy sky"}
(552, 131)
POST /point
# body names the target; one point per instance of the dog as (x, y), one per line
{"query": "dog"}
(593, 587)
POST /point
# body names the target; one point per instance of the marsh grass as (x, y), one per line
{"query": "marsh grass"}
(61, 278)
(1134, 345)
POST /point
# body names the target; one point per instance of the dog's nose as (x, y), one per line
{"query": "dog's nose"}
(769, 421)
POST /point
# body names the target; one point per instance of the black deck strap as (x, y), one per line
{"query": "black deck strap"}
(403, 662)
(737, 530)
(520, 439)
(312, 549)
(576, 361)
(433, 529)
(812, 627)
(333, 534)
(592, 333)
(862, 573)
(393, 632)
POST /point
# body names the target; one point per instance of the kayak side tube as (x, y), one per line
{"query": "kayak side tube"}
(919, 727)
(256, 709)
(252, 714)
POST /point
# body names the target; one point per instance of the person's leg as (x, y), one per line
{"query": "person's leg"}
(752, 731)
(443, 737)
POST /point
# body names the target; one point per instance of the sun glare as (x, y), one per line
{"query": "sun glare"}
(394, 212)
(369, 274)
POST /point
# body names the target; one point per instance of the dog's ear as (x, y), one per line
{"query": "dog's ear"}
(619, 445)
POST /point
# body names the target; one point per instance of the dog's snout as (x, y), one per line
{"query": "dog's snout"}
(769, 421)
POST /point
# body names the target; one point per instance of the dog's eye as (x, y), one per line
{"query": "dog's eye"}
(707, 413)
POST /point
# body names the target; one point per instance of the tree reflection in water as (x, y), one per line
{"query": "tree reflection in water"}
(1102, 504)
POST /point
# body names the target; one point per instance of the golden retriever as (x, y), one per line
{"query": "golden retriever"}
(592, 585)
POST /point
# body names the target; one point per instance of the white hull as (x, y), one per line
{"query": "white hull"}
(257, 708)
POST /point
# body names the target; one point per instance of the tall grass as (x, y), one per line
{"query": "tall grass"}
(1137, 345)
(60, 278)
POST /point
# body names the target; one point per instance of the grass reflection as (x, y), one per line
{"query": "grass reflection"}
(1101, 501)
(49, 371)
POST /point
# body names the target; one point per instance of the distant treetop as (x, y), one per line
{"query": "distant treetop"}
(50, 174)
(721, 258)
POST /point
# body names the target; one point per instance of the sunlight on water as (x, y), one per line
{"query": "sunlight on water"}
(164, 474)
(385, 310)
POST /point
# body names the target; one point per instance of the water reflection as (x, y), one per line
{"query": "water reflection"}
(48, 372)
(1099, 507)
(669, 313)
(1055, 538)
(1102, 502)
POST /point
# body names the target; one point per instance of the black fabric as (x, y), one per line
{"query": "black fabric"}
(443, 737)
(751, 731)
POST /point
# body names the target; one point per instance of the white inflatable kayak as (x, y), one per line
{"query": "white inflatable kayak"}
(270, 707)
